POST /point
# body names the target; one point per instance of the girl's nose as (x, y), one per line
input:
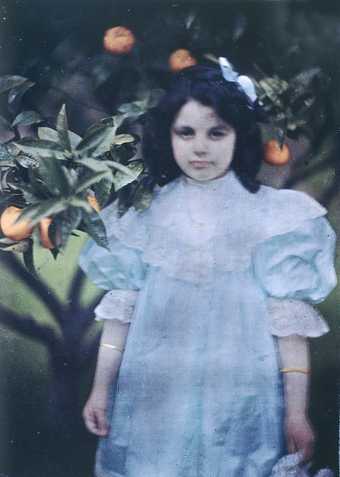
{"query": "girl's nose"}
(200, 146)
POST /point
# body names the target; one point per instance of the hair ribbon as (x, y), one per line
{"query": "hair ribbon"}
(245, 83)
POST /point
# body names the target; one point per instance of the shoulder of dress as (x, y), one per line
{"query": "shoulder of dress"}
(292, 202)
(135, 221)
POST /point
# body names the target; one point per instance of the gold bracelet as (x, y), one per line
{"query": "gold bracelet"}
(295, 370)
(107, 345)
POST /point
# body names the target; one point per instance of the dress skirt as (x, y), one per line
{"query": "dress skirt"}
(199, 392)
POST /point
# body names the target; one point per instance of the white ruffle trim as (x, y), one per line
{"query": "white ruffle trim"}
(291, 466)
(117, 305)
(295, 317)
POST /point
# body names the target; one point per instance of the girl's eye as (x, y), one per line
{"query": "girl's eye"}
(184, 132)
(218, 133)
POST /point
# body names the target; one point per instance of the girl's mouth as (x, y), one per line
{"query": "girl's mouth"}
(199, 164)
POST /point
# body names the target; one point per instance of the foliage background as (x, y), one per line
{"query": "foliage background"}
(59, 45)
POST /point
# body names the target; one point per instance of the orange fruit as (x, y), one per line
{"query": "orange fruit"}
(91, 199)
(181, 59)
(45, 240)
(119, 40)
(276, 155)
(14, 230)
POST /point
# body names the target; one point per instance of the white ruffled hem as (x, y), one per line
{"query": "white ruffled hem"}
(117, 305)
(291, 466)
(295, 317)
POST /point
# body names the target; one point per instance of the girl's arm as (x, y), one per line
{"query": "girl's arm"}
(108, 362)
(294, 353)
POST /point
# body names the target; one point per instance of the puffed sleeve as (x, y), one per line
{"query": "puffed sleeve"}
(296, 270)
(119, 270)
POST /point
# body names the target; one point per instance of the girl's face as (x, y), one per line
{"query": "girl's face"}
(202, 143)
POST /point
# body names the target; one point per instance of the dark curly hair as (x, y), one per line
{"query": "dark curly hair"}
(206, 85)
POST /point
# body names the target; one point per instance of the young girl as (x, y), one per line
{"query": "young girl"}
(203, 365)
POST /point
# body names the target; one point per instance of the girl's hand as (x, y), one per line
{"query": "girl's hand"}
(95, 413)
(299, 436)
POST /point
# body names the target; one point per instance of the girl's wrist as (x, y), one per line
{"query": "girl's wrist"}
(101, 387)
(296, 396)
(296, 413)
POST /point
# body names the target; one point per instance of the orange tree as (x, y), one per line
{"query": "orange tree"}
(60, 180)
(64, 178)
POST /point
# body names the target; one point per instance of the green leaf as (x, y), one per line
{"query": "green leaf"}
(93, 164)
(74, 139)
(8, 82)
(9, 179)
(115, 121)
(88, 182)
(17, 247)
(40, 148)
(308, 102)
(19, 91)
(121, 179)
(4, 242)
(92, 139)
(64, 224)
(81, 204)
(98, 141)
(29, 195)
(56, 177)
(27, 118)
(8, 245)
(94, 226)
(272, 89)
(38, 187)
(5, 200)
(296, 124)
(95, 127)
(122, 139)
(120, 167)
(126, 153)
(102, 191)
(4, 154)
(29, 259)
(46, 208)
(27, 161)
(134, 108)
(48, 134)
(62, 128)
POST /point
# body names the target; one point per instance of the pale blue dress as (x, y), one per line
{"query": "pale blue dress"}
(209, 275)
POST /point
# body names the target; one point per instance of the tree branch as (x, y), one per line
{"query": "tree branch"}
(88, 316)
(75, 289)
(37, 286)
(95, 301)
(29, 327)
